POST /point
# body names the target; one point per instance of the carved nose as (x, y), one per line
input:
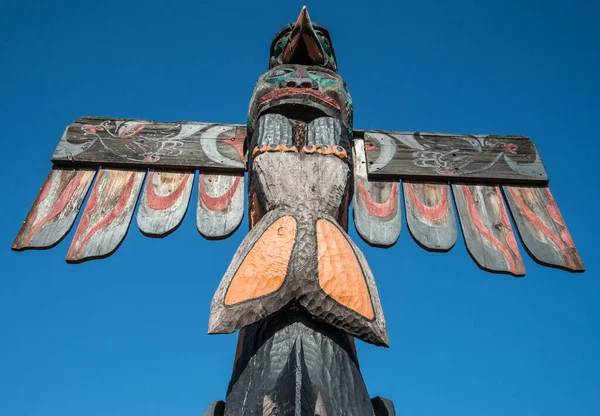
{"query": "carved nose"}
(298, 83)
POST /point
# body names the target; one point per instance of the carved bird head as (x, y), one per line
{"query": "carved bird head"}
(303, 43)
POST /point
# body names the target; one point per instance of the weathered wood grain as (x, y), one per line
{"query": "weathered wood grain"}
(435, 156)
(486, 228)
(376, 205)
(126, 143)
(220, 204)
(107, 214)
(292, 365)
(541, 226)
(164, 202)
(323, 271)
(429, 214)
(55, 208)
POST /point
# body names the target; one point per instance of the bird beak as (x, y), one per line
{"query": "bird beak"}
(304, 46)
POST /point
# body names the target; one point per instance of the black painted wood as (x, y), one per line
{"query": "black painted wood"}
(436, 156)
(288, 365)
(121, 143)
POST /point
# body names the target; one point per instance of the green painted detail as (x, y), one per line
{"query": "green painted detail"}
(281, 45)
(350, 109)
(323, 78)
(276, 75)
(347, 95)
(325, 45)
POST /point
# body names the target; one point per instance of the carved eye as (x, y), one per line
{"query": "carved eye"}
(323, 78)
(280, 45)
(325, 43)
(323, 37)
(277, 75)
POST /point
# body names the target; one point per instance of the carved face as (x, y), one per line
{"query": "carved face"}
(301, 92)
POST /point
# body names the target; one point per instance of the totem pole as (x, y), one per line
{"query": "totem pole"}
(298, 289)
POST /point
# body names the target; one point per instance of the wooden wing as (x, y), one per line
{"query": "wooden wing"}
(483, 172)
(130, 158)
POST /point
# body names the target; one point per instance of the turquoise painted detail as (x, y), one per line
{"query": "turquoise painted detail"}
(350, 107)
(325, 45)
(281, 45)
(323, 78)
(276, 75)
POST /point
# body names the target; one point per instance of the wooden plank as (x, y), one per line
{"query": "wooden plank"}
(220, 204)
(468, 158)
(126, 143)
(54, 211)
(429, 214)
(376, 204)
(542, 228)
(107, 215)
(164, 202)
(487, 230)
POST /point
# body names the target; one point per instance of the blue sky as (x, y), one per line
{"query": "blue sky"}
(127, 335)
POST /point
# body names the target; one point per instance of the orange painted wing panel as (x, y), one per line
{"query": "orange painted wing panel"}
(264, 268)
(340, 274)
(299, 260)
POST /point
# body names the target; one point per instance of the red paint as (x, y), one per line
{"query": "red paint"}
(107, 220)
(61, 203)
(505, 147)
(474, 214)
(434, 213)
(369, 147)
(298, 91)
(46, 188)
(557, 217)
(85, 218)
(89, 129)
(218, 203)
(131, 131)
(540, 225)
(510, 237)
(32, 216)
(237, 142)
(377, 209)
(159, 202)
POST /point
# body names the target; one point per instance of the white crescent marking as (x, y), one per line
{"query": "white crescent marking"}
(387, 148)
(208, 141)
(535, 169)
(408, 140)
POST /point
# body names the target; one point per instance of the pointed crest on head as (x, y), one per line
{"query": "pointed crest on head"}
(304, 43)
